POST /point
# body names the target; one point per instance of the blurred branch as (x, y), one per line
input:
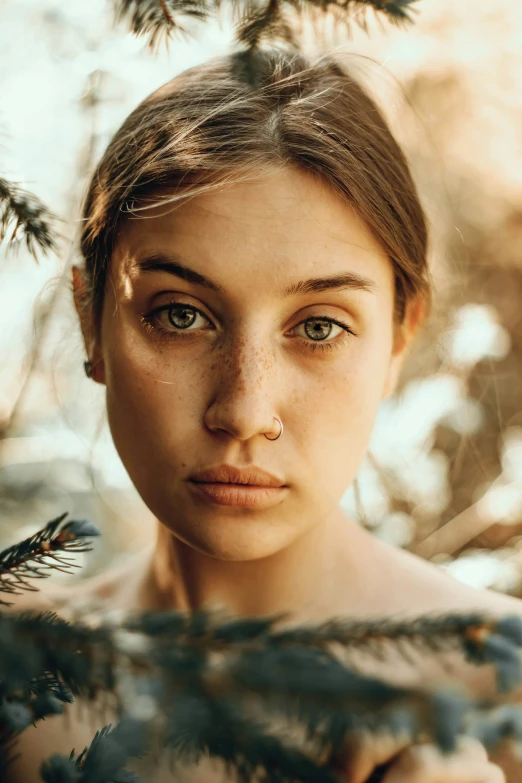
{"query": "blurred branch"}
(211, 685)
(467, 525)
(24, 217)
(454, 534)
(90, 103)
(159, 18)
(256, 22)
(36, 352)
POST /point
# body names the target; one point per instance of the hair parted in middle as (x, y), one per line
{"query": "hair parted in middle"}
(211, 126)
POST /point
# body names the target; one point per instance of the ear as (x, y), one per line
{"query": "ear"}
(402, 342)
(89, 332)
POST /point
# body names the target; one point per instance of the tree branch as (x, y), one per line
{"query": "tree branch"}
(24, 217)
(255, 21)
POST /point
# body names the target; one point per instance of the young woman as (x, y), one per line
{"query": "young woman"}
(254, 275)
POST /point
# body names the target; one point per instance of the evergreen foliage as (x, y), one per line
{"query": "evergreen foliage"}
(32, 557)
(211, 685)
(255, 22)
(24, 218)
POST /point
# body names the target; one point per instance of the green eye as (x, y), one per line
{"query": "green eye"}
(178, 318)
(324, 333)
(181, 316)
(175, 320)
(318, 328)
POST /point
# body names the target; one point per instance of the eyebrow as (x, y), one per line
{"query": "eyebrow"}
(345, 280)
(161, 262)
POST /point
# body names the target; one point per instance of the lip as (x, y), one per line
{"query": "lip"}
(228, 485)
(230, 474)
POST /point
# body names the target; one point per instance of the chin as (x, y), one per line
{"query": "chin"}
(235, 540)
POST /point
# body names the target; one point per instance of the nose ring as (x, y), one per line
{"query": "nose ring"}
(280, 431)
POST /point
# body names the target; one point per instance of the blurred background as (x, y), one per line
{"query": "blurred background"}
(443, 477)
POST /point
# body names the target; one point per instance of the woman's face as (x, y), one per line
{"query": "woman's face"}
(287, 311)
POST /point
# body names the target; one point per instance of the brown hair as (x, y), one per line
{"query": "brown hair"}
(210, 125)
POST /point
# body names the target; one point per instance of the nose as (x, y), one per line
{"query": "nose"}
(244, 388)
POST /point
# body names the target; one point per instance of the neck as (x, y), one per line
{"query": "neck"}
(317, 576)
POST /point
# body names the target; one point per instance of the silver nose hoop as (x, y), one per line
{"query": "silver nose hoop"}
(280, 431)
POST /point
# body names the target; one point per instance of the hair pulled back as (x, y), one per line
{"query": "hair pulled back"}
(211, 125)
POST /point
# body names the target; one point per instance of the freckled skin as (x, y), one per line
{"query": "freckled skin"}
(178, 406)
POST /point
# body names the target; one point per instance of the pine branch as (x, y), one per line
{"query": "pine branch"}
(207, 703)
(255, 22)
(479, 638)
(222, 728)
(41, 698)
(213, 685)
(492, 726)
(159, 19)
(207, 684)
(24, 217)
(258, 24)
(103, 761)
(17, 563)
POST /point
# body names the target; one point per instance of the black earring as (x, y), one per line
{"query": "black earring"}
(87, 366)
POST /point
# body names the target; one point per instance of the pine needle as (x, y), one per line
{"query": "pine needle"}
(36, 556)
(159, 19)
(255, 21)
(24, 218)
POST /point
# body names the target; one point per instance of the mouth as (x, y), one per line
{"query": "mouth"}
(230, 485)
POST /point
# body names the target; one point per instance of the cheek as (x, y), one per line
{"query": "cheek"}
(334, 414)
(151, 399)
(348, 390)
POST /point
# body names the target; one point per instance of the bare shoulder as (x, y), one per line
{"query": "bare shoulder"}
(422, 587)
(407, 587)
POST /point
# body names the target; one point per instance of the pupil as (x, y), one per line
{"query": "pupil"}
(182, 317)
(320, 329)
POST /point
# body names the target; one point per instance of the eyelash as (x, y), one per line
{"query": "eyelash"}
(148, 321)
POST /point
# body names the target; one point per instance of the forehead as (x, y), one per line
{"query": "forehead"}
(278, 225)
